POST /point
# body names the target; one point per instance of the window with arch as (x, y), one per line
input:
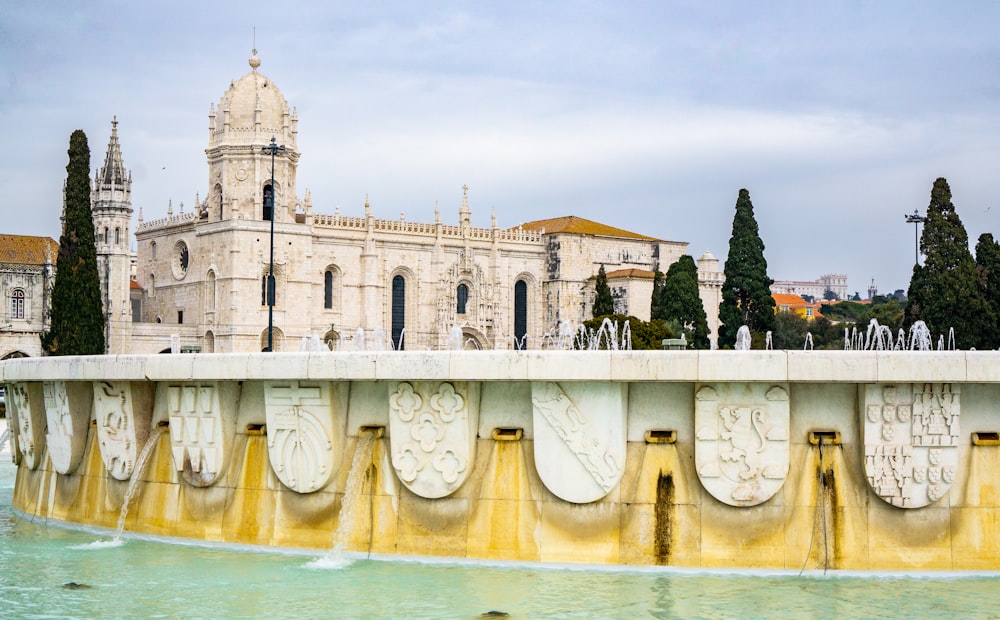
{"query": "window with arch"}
(152, 249)
(268, 290)
(328, 289)
(105, 235)
(118, 236)
(210, 292)
(17, 304)
(398, 311)
(268, 202)
(462, 298)
(218, 198)
(520, 314)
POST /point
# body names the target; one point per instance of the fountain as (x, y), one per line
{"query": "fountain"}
(742, 338)
(455, 339)
(361, 469)
(136, 479)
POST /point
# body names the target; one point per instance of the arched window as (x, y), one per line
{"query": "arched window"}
(328, 289)
(462, 294)
(210, 292)
(209, 342)
(520, 314)
(118, 236)
(267, 290)
(268, 202)
(105, 235)
(152, 249)
(17, 304)
(398, 311)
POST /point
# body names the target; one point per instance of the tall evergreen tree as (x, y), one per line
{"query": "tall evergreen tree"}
(988, 266)
(77, 322)
(681, 302)
(746, 292)
(654, 300)
(944, 292)
(604, 304)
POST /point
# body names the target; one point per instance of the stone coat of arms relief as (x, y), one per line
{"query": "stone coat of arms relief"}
(580, 437)
(432, 434)
(302, 442)
(911, 441)
(119, 435)
(741, 441)
(24, 404)
(202, 424)
(67, 412)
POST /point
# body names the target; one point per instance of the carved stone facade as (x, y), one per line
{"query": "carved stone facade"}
(203, 271)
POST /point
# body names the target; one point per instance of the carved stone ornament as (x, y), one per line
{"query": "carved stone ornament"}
(580, 437)
(911, 441)
(432, 434)
(300, 433)
(200, 431)
(24, 400)
(67, 412)
(118, 435)
(741, 441)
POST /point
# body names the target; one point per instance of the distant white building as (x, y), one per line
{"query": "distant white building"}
(817, 289)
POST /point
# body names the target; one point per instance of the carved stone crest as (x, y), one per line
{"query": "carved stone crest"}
(432, 434)
(580, 437)
(300, 433)
(911, 441)
(24, 401)
(67, 412)
(202, 424)
(118, 432)
(741, 441)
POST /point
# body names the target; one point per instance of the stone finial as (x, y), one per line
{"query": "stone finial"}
(170, 207)
(254, 60)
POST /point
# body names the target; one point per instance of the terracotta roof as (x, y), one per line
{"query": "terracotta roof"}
(580, 226)
(25, 250)
(784, 299)
(630, 273)
(132, 284)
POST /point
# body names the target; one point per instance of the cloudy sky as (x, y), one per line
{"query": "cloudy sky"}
(649, 116)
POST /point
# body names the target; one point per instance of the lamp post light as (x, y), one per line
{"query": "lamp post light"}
(271, 149)
(915, 219)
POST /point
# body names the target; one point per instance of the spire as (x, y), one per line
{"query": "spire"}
(112, 174)
(465, 214)
(254, 60)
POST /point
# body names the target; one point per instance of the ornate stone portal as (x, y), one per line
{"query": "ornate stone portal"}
(911, 441)
(432, 434)
(579, 437)
(741, 442)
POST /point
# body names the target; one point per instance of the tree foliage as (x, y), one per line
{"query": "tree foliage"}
(654, 302)
(746, 292)
(988, 270)
(604, 304)
(679, 300)
(77, 321)
(945, 291)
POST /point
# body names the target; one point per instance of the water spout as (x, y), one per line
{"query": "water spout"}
(743, 338)
(361, 466)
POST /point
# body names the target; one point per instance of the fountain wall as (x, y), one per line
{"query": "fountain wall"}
(720, 459)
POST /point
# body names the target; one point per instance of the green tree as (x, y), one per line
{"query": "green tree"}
(944, 292)
(746, 292)
(604, 304)
(654, 302)
(680, 301)
(988, 268)
(645, 336)
(77, 321)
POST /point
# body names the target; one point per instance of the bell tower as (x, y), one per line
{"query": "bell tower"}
(111, 206)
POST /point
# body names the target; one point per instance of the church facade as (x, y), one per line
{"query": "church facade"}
(202, 277)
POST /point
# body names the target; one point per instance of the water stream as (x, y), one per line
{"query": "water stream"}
(353, 491)
(136, 479)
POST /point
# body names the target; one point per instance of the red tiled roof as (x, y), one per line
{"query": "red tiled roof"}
(26, 250)
(630, 273)
(581, 226)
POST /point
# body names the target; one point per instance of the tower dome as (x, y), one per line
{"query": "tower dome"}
(251, 112)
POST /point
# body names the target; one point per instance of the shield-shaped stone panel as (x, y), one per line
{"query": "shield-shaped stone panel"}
(911, 441)
(67, 412)
(202, 426)
(302, 438)
(580, 437)
(741, 441)
(25, 402)
(432, 434)
(120, 431)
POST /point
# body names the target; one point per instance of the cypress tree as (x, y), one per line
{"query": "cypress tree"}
(988, 267)
(604, 304)
(746, 292)
(77, 321)
(944, 292)
(655, 311)
(681, 302)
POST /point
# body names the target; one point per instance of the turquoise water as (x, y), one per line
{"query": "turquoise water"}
(155, 579)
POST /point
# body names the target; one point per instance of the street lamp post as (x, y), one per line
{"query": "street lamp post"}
(271, 149)
(915, 219)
